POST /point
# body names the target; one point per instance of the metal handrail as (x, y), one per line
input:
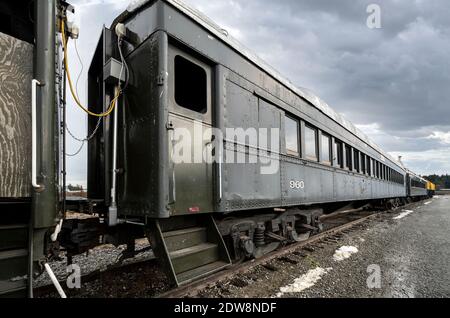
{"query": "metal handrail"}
(34, 84)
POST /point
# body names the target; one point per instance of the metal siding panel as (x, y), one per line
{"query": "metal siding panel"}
(241, 110)
(292, 171)
(317, 185)
(16, 72)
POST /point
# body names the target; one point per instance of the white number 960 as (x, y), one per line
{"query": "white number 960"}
(297, 184)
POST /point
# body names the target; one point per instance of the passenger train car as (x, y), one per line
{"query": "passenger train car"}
(187, 73)
(201, 147)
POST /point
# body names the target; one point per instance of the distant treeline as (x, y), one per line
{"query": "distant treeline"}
(442, 182)
(72, 187)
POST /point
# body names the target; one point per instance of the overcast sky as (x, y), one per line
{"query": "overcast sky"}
(393, 82)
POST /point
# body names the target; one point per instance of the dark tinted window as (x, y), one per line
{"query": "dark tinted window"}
(190, 85)
(363, 163)
(338, 153)
(356, 159)
(348, 157)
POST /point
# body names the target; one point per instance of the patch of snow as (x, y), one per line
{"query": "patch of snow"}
(305, 281)
(428, 202)
(344, 252)
(403, 214)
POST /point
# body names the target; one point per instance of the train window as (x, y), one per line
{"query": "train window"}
(369, 166)
(338, 153)
(190, 85)
(291, 128)
(348, 157)
(325, 151)
(363, 163)
(311, 143)
(356, 159)
(374, 168)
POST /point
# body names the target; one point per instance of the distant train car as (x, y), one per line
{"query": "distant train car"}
(431, 188)
(416, 186)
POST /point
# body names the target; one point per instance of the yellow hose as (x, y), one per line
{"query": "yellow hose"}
(77, 101)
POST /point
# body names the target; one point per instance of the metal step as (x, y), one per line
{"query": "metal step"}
(13, 289)
(13, 272)
(13, 236)
(191, 252)
(13, 263)
(5, 255)
(184, 238)
(202, 271)
(195, 256)
(14, 254)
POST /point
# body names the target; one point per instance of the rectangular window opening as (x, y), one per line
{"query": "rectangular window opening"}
(348, 157)
(356, 159)
(291, 128)
(311, 143)
(325, 151)
(190, 85)
(338, 153)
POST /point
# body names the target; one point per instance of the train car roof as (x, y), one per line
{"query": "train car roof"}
(138, 5)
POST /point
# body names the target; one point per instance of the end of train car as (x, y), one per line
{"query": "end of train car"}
(431, 188)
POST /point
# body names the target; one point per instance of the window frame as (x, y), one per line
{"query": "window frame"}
(339, 155)
(316, 142)
(328, 162)
(174, 50)
(356, 160)
(348, 157)
(290, 152)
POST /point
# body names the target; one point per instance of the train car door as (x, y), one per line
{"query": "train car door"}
(190, 118)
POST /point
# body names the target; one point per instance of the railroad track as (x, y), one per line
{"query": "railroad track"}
(192, 289)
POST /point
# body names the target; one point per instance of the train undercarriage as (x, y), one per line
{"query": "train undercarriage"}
(191, 247)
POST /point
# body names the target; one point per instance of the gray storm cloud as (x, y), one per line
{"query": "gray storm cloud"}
(393, 82)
